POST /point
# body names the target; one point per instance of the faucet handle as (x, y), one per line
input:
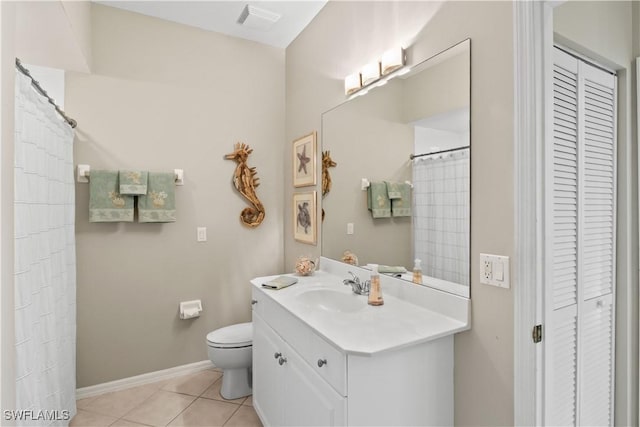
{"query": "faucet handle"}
(366, 287)
(355, 278)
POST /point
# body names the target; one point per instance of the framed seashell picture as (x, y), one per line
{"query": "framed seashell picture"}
(305, 223)
(304, 160)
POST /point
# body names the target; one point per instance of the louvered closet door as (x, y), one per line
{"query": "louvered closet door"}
(580, 246)
(596, 325)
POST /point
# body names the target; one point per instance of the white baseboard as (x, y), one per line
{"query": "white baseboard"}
(143, 379)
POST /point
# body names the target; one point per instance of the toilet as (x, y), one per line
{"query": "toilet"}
(230, 349)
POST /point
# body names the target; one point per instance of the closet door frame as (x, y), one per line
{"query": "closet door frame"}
(533, 92)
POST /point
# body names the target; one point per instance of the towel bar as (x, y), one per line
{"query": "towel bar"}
(366, 184)
(84, 171)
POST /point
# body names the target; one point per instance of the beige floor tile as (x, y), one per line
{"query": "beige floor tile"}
(213, 392)
(125, 423)
(193, 384)
(249, 401)
(83, 403)
(205, 412)
(244, 417)
(118, 403)
(160, 408)
(90, 419)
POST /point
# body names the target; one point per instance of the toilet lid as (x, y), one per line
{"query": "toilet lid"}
(239, 335)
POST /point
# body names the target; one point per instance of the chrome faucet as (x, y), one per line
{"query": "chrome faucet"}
(358, 287)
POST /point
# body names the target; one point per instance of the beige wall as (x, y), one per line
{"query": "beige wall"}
(441, 88)
(368, 138)
(54, 34)
(165, 96)
(78, 13)
(604, 31)
(7, 306)
(346, 35)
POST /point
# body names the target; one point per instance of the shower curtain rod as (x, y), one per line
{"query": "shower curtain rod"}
(44, 93)
(413, 156)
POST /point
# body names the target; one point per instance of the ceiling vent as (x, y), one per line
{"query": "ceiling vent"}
(257, 18)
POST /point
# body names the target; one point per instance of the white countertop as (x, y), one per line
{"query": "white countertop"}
(372, 329)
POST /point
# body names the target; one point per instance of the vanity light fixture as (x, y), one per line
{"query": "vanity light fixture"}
(370, 73)
(374, 74)
(352, 83)
(392, 60)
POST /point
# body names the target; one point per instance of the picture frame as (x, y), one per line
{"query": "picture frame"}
(304, 160)
(305, 221)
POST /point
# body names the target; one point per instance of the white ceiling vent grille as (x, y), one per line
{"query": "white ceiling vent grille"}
(257, 18)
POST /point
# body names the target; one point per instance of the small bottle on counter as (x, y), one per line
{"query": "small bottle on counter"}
(375, 294)
(417, 272)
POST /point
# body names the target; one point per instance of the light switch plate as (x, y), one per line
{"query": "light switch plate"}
(349, 228)
(202, 234)
(494, 270)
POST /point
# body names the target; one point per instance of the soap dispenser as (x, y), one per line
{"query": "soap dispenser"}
(417, 272)
(375, 294)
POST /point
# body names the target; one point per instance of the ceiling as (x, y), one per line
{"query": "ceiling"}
(222, 16)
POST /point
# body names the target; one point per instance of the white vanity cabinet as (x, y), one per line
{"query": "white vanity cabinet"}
(302, 378)
(286, 390)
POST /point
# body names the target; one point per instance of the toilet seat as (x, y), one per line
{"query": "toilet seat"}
(234, 336)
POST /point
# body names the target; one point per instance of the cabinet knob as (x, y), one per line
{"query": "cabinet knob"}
(282, 361)
(254, 301)
(276, 355)
(322, 362)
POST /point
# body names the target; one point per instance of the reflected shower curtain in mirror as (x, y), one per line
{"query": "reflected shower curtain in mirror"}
(45, 261)
(441, 215)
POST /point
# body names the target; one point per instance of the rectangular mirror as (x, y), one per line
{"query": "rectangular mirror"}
(387, 135)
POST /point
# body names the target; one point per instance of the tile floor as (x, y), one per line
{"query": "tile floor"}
(189, 400)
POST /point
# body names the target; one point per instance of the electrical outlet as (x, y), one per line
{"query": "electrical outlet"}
(494, 270)
(486, 272)
(349, 228)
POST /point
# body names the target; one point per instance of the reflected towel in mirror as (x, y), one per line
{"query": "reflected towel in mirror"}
(378, 200)
(400, 196)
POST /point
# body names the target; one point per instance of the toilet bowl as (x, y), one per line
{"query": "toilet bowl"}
(230, 349)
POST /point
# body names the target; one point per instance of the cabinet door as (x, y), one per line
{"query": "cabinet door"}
(309, 399)
(268, 383)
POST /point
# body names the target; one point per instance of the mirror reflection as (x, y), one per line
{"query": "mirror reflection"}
(407, 142)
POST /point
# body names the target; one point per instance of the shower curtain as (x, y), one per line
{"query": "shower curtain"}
(441, 215)
(45, 262)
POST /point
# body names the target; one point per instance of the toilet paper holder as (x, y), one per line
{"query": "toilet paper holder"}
(190, 309)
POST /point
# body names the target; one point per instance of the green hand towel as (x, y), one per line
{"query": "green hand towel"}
(391, 269)
(401, 205)
(378, 200)
(159, 204)
(393, 190)
(106, 204)
(133, 182)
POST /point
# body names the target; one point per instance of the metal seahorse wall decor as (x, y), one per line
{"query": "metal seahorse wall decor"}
(327, 163)
(246, 182)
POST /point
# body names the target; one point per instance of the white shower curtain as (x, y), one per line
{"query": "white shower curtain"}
(45, 261)
(441, 215)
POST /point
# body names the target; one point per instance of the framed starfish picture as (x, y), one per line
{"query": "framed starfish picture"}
(304, 160)
(304, 217)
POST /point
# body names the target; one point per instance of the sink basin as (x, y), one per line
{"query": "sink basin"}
(331, 300)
